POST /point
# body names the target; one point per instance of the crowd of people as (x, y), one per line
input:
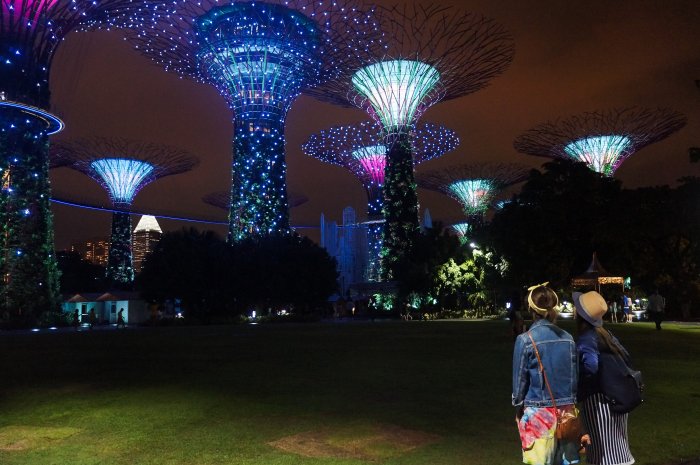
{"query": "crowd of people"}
(554, 376)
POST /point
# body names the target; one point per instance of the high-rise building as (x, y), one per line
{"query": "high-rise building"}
(95, 250)
(348, 245)
(146, 237)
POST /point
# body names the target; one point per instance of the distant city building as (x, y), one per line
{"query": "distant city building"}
(348, 245)
(145, 238)
(95, 250)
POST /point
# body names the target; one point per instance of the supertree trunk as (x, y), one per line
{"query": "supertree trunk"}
(258, 192)
(27, 258)
(400, 206)
(120, 266)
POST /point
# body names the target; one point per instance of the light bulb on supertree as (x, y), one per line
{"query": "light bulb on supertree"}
(602, 140)
(260, 55)
(30, 32)
(433, 53)
(123, 167)
(473, 185)
(361, 149)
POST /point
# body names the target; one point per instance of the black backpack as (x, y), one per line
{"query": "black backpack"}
(620, 384)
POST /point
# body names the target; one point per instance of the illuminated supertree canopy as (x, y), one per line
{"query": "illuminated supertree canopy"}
(602, 140)
(432, 53)
(361, 149)
(473, 185)
(260, 56)
(123, 167)
(30, 32)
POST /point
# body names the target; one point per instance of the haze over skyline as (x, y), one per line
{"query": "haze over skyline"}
(570, 58)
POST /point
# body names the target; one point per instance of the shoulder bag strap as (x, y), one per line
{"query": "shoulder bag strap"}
(544, 375)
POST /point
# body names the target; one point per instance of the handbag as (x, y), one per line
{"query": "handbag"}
(621, 385)
(569, 426)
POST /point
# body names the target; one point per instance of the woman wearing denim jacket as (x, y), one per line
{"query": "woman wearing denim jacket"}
(607, 429)
(537, 419)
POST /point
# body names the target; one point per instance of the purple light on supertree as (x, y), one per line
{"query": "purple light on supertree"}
(432, 53)
(473, 185)
(361, 149)
(30, 32)
(260, 56)
(123, 167)
(602, 140)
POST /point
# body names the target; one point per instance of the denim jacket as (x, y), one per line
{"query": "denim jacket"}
(558, 353)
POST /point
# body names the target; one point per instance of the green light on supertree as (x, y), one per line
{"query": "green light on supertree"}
(361, 149)
(473, 185)
(602, 140)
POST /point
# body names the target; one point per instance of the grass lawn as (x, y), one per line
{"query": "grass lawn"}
(346, 393)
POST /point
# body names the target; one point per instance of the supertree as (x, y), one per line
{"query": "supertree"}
(361, 149)
(463, 231)
(603, 140)
(434, 53)
(260, 56)
(30, 32)
(473, 185)
(123, 167)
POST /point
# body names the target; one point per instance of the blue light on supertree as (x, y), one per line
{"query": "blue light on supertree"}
(602, 140)
(30, 32)
(432, 53)
(361, 149)
(260, 56)
(473, 185)
(122, 167)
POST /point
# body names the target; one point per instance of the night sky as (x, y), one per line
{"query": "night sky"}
(571, 57)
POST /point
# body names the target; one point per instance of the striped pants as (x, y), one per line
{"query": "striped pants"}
(608, 431)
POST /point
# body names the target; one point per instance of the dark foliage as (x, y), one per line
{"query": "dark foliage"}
(565, 213)
(78, 274)
(218, 281)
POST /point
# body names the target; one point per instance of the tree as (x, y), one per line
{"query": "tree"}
(78, 274)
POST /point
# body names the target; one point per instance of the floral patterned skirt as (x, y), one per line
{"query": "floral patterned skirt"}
(537, 426)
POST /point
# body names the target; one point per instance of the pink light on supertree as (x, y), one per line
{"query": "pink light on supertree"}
(602, 140)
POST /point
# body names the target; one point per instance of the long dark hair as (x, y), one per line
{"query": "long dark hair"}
(606, 341)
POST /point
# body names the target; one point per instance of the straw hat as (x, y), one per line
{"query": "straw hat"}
(590, 306)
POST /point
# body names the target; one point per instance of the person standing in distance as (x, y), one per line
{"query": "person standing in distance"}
(657, 305)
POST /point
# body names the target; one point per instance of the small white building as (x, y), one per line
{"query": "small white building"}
(107, 306)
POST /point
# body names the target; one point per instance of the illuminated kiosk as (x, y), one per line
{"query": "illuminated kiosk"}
(473, 185)
(260, 56)
(602, 140)
(361, 150)
(30, 33)
(433, 53)
(123, 167)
